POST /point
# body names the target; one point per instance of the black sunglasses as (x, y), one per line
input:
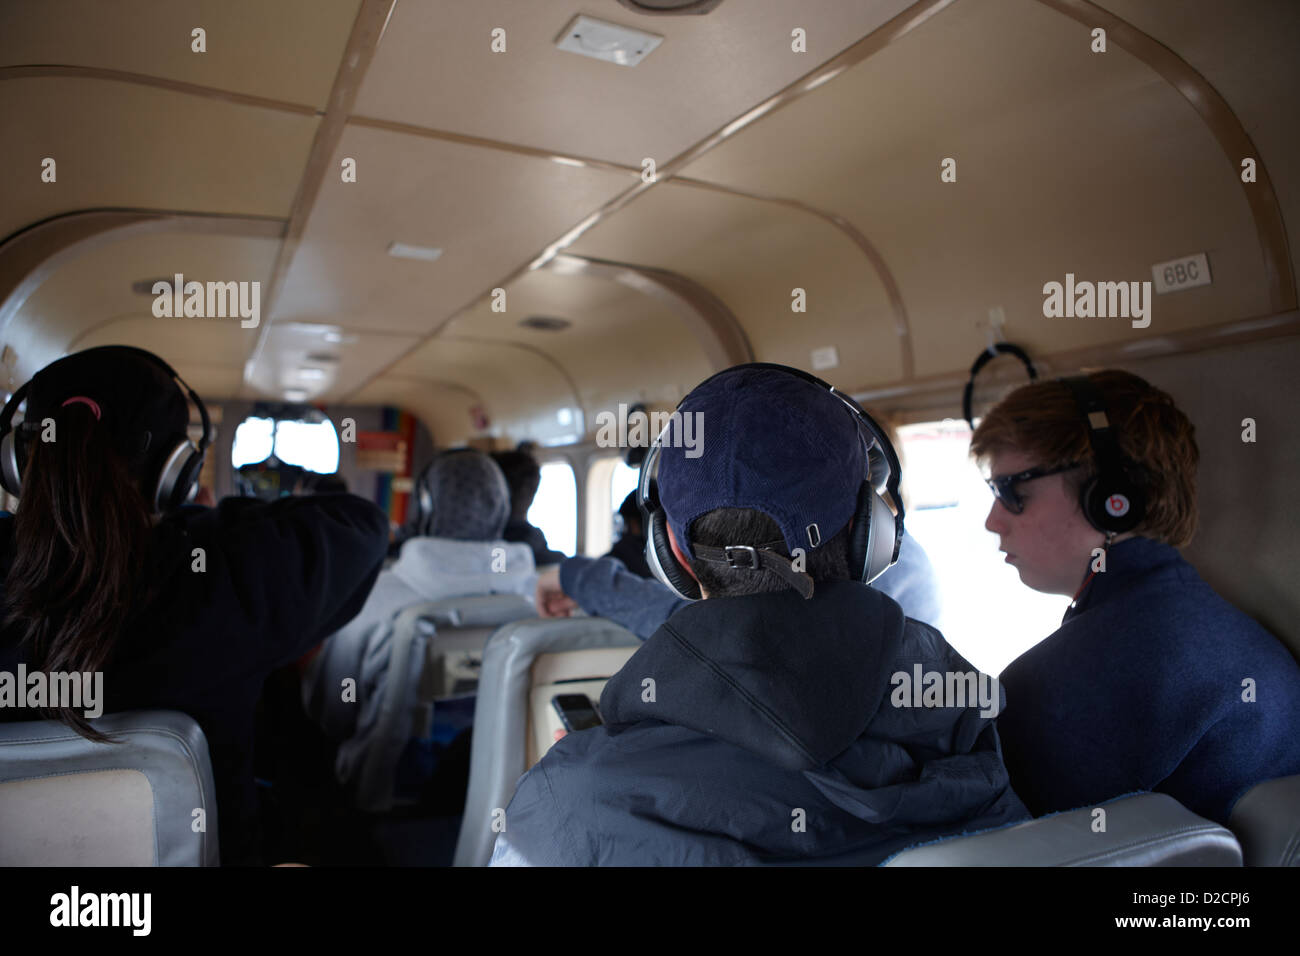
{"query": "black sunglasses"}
(1003, 488)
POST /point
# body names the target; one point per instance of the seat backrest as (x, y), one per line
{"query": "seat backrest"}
(511, 668)
(1146, 829)
(1267, 823)
(348, 653)
(462, 627)
(69, 801)
(397, 671)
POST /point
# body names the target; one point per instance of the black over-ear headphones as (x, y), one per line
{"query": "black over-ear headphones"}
(1111, 500)
(988, 355)
(179, 473)
(877, 531)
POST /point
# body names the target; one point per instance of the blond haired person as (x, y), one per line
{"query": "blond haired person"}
(1153, 681)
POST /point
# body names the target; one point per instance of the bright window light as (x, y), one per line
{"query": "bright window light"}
(253, 440)
(988, 615)
(555, 509)
(310, 445)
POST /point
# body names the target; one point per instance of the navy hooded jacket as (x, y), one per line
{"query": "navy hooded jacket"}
(770, 737)
(278, 577)
(1142, 689)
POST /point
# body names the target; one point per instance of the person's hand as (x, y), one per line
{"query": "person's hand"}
(559, 734)
(551, 599)
(205, 498)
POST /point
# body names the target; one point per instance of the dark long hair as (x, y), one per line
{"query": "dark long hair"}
(82, 534)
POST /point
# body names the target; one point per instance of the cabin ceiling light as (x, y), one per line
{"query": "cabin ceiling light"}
(310, 374)
(339, 337)
(404, 250)
(295, 394)
(602, 40)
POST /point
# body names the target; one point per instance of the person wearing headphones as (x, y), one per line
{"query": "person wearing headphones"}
(106, 571)
(629, 549)
(524, 477)
(1153, 681)
(464, 503)
(764, 724)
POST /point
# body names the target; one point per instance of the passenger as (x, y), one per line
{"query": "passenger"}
(629, 549)
(181, 608)
(462, 555)
(758, 725)
(1153, 681)
(602, 588)
(523, 475)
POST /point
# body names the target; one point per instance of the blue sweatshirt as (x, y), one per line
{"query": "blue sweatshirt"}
(1153, 682)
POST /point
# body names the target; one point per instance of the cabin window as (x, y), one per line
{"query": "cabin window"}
(555, 509)
(310, 445)
(254, 439)
(988, 615)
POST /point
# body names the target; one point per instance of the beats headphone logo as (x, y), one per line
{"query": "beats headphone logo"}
(1117, 506)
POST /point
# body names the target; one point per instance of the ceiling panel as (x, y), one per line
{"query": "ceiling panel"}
(622, 346)
(90, 297)
(287, 50)
(435, 68)
(292, 350)
(1248, 53)
(132, 147)
(489, 211)
(1067, 161)
(752, 255)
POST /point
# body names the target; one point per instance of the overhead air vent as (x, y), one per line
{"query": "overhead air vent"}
(145, 286)
(661, 8)
(602, 40)
(545, 323)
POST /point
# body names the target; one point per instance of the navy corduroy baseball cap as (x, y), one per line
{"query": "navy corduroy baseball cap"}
(766, 440)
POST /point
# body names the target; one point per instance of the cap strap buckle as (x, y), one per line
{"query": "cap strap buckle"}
(729, 552)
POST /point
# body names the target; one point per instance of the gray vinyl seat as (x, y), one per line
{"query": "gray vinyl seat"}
(69, 801)
(1267, 823)
(395, 673)
(1146, 829)
(500, 745)
(462, 627)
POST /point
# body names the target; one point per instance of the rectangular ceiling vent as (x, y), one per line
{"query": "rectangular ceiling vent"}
(404, 250)
(602, 40)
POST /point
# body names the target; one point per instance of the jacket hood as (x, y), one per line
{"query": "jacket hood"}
(795, 682)
(441, 567)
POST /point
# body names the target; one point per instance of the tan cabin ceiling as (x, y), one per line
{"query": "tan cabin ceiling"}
(1067, 161)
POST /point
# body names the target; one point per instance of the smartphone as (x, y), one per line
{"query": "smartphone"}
(576, 711)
